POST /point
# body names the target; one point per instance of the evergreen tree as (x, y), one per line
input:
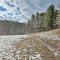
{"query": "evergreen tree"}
(44, 21)
(42, 24)
(50, 16)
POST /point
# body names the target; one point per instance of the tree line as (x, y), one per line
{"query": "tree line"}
(43, 21)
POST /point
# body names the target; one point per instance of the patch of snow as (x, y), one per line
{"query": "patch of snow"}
(7, 48)
(50, 48)
(49, 36)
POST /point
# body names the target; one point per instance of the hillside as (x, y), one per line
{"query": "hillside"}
(35, 46)
(11, 28)
(40, 46)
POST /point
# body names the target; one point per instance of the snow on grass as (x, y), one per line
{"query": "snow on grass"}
(7, 43)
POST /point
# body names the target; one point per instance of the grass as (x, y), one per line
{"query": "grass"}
(39, 47)
(57, 31)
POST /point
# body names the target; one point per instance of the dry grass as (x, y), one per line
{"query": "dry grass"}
(57, 31)
(39, 46)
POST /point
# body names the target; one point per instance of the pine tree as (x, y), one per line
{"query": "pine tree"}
(50, 16)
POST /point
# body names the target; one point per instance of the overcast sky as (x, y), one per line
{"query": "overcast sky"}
(21, 10)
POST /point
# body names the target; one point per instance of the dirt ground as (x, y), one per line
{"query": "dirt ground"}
(49, 49)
